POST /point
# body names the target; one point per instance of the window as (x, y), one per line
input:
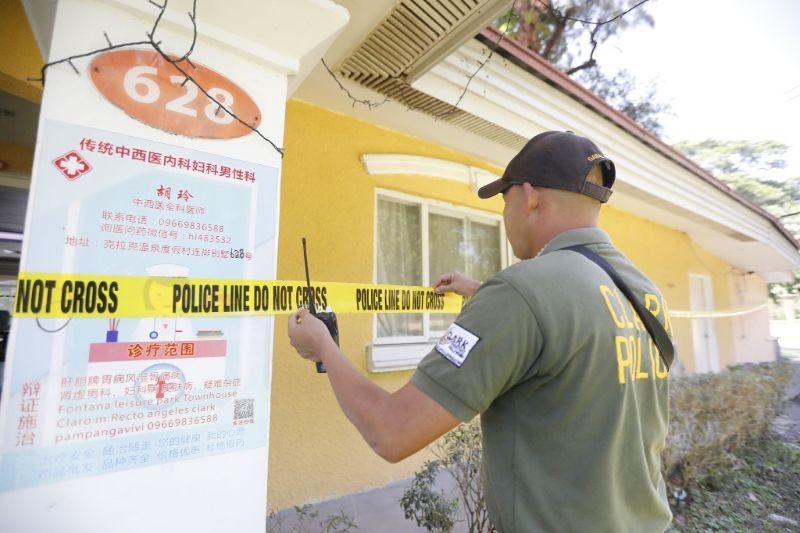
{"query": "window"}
(417, 240)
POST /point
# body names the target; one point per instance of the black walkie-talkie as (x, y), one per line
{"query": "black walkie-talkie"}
(327, 317)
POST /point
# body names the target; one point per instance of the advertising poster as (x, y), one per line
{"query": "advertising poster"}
(92, 396)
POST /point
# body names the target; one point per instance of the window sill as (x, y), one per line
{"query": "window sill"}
(397, 357)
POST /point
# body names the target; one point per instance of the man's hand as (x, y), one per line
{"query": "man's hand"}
(308, 335)
(456, 282)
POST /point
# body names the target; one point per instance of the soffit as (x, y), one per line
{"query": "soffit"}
(415, 35)
(407, 42)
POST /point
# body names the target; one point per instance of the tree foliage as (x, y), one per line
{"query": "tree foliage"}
(752, 168)
(776, 290)
(621, 92)
(552, 29)
(567, 33)
(736, 157)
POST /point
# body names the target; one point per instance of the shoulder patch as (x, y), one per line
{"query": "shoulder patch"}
(456, 344)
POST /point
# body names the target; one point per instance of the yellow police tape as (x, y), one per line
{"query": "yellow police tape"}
(77, 295)
(717, 314)
(89, 295)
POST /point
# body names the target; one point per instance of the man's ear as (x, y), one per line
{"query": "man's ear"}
(532, 196)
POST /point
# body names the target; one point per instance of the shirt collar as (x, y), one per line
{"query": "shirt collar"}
(575, 237)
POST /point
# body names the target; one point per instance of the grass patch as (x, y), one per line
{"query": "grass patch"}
(762, 480)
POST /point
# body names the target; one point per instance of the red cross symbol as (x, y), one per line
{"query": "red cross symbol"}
(72, 165)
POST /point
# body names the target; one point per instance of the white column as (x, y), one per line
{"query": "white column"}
(212, 476)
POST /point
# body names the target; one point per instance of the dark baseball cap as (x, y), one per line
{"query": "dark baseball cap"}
(558, 160)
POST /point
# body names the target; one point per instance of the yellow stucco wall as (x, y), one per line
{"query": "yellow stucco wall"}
(20, 58)
(327, 197)
(18, 158)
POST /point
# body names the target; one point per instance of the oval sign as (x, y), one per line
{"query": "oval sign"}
(150, 89)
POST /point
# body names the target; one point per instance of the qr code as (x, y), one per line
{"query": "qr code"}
(243, 409)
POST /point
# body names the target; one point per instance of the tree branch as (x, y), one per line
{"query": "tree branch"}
(591, 61)
(591, 22)
(555, 38)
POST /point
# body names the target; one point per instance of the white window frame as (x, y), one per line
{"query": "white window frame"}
(388, 354)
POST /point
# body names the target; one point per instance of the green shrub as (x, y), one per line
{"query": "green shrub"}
(459, 454)
(306, 519)
(713, 415)
(429, 508)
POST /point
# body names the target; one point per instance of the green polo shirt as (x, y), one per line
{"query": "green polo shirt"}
(572, 393)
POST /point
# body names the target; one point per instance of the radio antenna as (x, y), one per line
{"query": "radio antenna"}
(309, 294)
(329, 319)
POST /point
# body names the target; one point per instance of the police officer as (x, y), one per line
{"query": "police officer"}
(570, 388)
